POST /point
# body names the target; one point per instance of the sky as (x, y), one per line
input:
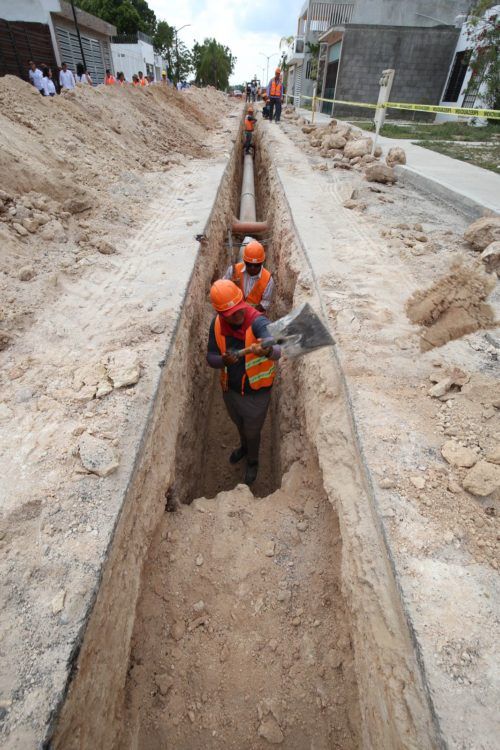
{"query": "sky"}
(250, 29)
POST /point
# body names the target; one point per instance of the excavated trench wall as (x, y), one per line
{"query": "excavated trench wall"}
(396, 708)
(311, 395)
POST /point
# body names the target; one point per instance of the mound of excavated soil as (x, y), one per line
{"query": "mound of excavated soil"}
(452, 307)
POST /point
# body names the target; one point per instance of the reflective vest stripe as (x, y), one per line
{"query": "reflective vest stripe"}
(260, 371)
(276, 88)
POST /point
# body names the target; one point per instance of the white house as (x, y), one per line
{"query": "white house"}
(134, 52)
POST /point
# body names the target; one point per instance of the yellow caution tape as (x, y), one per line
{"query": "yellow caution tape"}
(491, 114)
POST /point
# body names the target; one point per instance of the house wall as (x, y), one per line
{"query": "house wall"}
(403, 12)
(421, 58)
(33, 11)
(130, 58)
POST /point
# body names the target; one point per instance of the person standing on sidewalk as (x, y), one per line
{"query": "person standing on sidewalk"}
(246, 381)
(275, 94)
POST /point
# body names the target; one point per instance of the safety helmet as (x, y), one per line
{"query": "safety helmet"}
(225, 295)
(254, 252)
(278, 71)
(164, 72)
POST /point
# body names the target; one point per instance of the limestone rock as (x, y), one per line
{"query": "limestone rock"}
(378, 152)
(270, 730)
(26, 273)
(97, 456)
(106, 248)
(30, 224)
(5, 412)
(386, 483)
(335, 140)
(491, 257)
(77, 205)
(164, 682)
(5, 339)
(123, 368)
(53, 230)
(358, 148)
(493, 456)
(380, 173)
(395, 156)
(457, 455)
(483, 479)
(177, 630)
(58, 602)
(483, 232)
(22, 231)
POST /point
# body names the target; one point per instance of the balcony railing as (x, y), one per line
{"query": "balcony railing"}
(132, 38)
(322, 16)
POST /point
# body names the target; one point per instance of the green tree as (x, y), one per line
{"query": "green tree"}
(212, 63)
(484, 34)
(129, 16)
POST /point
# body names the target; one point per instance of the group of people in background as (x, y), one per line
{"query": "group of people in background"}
(43, 79)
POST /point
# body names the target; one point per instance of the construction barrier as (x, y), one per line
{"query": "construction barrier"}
(491, 114)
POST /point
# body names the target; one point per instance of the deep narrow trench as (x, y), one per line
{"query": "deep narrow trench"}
(242, 636)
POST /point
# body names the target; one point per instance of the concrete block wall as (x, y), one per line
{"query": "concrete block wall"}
(421, 58)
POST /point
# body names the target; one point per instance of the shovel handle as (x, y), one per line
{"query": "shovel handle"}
(266, 343)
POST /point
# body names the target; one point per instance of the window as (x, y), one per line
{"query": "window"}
(457, 76)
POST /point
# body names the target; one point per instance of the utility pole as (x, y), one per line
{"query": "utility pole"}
(78, 35)
(268, 57)
(177, 67)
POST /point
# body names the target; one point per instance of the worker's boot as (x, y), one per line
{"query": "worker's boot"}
(251, 473)
(237, 455)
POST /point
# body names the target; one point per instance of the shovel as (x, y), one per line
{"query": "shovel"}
(300, 332)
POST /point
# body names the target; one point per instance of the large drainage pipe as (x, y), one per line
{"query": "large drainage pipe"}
(248, 223)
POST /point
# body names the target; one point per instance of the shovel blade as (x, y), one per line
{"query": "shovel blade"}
(300, 332)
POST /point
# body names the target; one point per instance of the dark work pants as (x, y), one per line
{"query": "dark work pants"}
(248, 141)
(248, 413)
(275, 101)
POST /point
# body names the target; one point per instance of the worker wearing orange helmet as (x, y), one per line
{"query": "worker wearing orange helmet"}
(246, 380)
(255, 281)
(250, 121)
(275, 94)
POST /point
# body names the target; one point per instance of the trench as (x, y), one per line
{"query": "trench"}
(235, 622)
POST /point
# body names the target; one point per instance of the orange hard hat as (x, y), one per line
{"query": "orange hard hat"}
(225, 296)
(254, 253)
(278, 71)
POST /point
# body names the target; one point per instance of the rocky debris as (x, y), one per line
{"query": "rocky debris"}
(199, 560)
(483, 232)
(335, 140)
(386, 483)
(123, 368)
(308, 129)
(106, 248)
(53, 230)
(270, 730)
(5, 412)
(199, 606)
(97, 456)
(30, 224)
(5, 340)
(456, 377)
(395, 156)
(358, 148)
(26, 273)
(22, 231)
(164, 683)
(178, 630)
(58, 602)
(269, 549)
(491, 257)
(302, 525)
(457, 455)
(380, 173)
(493, 456)
(77, 205)
(483, 479)
(418, 482)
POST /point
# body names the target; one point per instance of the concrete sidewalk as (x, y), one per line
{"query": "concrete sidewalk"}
(465, 186)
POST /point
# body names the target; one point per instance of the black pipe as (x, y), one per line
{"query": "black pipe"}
(78, 34)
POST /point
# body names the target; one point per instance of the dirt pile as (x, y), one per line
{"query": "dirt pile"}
(453, 306)
(63, 165)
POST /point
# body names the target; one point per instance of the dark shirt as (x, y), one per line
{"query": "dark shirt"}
(236, 372)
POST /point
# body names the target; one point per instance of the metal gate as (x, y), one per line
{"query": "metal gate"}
(297, 88)
(97, 55)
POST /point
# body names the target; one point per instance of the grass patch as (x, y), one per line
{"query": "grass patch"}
(445, 131)
(486, 155)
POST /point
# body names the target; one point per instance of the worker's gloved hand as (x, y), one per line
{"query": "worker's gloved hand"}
(229, 359)
(261, 351)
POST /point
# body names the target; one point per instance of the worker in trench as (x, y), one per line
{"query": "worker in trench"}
(255, 281)
(250, 121)
(246, 380)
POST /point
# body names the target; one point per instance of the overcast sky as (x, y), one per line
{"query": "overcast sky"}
(247, 28)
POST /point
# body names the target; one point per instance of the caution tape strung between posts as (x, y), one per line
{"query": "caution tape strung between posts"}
(491, 114)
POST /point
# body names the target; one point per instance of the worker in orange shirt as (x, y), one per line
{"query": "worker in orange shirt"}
(250, 121)
(275, 94)
(246, 380)
(109, 79)
(142, 81)
(255, 281)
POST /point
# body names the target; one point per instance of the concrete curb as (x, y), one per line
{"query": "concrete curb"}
(457, 200)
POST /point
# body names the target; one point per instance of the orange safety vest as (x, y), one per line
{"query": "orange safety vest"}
(276, 88)
(109, 81)
(143, 82)
(258, 289)
(260, 371)
(249, 125)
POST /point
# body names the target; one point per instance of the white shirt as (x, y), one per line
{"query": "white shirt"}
(48, 86)
(83, 78)
(67, 79)
(36, 78)
(249, 283)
